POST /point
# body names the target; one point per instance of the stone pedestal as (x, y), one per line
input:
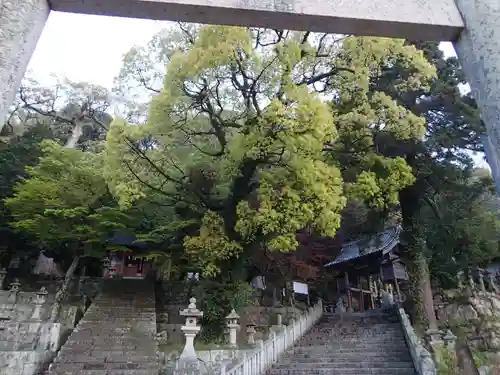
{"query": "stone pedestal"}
(40, 299)
(21, 24)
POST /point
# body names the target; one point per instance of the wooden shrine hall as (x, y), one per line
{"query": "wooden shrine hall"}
(366, 265)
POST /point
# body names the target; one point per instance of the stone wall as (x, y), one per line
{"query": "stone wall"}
(474, 316)
(29, 336)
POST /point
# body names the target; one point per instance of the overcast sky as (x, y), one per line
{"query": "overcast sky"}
(90, 48)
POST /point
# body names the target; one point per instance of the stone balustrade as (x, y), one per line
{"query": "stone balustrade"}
(422, 359)
(266, 353)
(478, 280)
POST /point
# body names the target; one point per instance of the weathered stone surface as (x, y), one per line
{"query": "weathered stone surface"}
(116, 335)
(349, 344)
(475, 316)
(21, 23)
(479, 50)
(421, 19)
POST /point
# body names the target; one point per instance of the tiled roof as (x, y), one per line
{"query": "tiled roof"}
(125, 239)
(381, 242)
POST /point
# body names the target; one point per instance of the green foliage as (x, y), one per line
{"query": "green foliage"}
(242, 138)
(447, 362)
(462, 228)
(64, 198)
(216, 299)
(480, 358)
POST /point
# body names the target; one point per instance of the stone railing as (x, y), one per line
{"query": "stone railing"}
(422, 359)
(258, 360)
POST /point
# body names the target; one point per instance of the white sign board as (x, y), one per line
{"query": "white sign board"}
(300, 288)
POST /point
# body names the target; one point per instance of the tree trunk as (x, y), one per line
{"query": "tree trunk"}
(414, 249)
(67, 279)
(76, 134)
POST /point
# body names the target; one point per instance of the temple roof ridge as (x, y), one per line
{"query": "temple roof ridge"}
(382, 242)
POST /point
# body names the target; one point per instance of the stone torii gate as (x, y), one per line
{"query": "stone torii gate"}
(472, 25)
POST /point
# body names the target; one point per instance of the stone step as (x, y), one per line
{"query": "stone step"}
(115, 336)
(106, 356)
(104, 372)
(341, 371)
(359, 336)
(103, 366)
(81, 350)
(345, 364)
(313, 352)
(336, 341)
(342, 348)
(348, 357)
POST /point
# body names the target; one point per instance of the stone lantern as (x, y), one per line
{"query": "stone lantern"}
(449, 339)
(106, 263)
(190, 329)
(3, 273)
(40, 299)
(251, 332)
(233, 324)
(14, 291)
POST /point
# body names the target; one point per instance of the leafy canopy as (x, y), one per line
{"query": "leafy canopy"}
(243, 140)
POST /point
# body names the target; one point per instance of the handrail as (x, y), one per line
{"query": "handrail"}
(422, 359)
(268, 352)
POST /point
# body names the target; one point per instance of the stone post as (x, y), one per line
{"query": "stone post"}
(482, 287)
(21, 24)
(233, 324)
(56, 306)
(279, 319)
(190, 330)
(434, 338)
(105, 266)
(14, 291)
(251, 332)
(3, 274)
(40, 299)
(460, 276)
(493, 284)
(340, 308)
(478, 48)
(81, 280)
(472, 284)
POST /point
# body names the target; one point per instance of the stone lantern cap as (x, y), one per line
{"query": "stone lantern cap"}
(233, 315)
(449, 336)
(232, 318)
(41, 295)
(106, 262)
(251, 327)
(15, 285)
(192, 311)
(251, 323)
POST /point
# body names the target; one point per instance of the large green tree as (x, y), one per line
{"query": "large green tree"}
(65, 205)
(16, 153)
(450, 125)
(462, 226)
(241, 134)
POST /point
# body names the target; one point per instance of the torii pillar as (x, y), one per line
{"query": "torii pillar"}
(473, 26)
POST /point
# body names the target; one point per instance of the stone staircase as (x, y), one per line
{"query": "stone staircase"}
(115, 336)
(349, 344)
